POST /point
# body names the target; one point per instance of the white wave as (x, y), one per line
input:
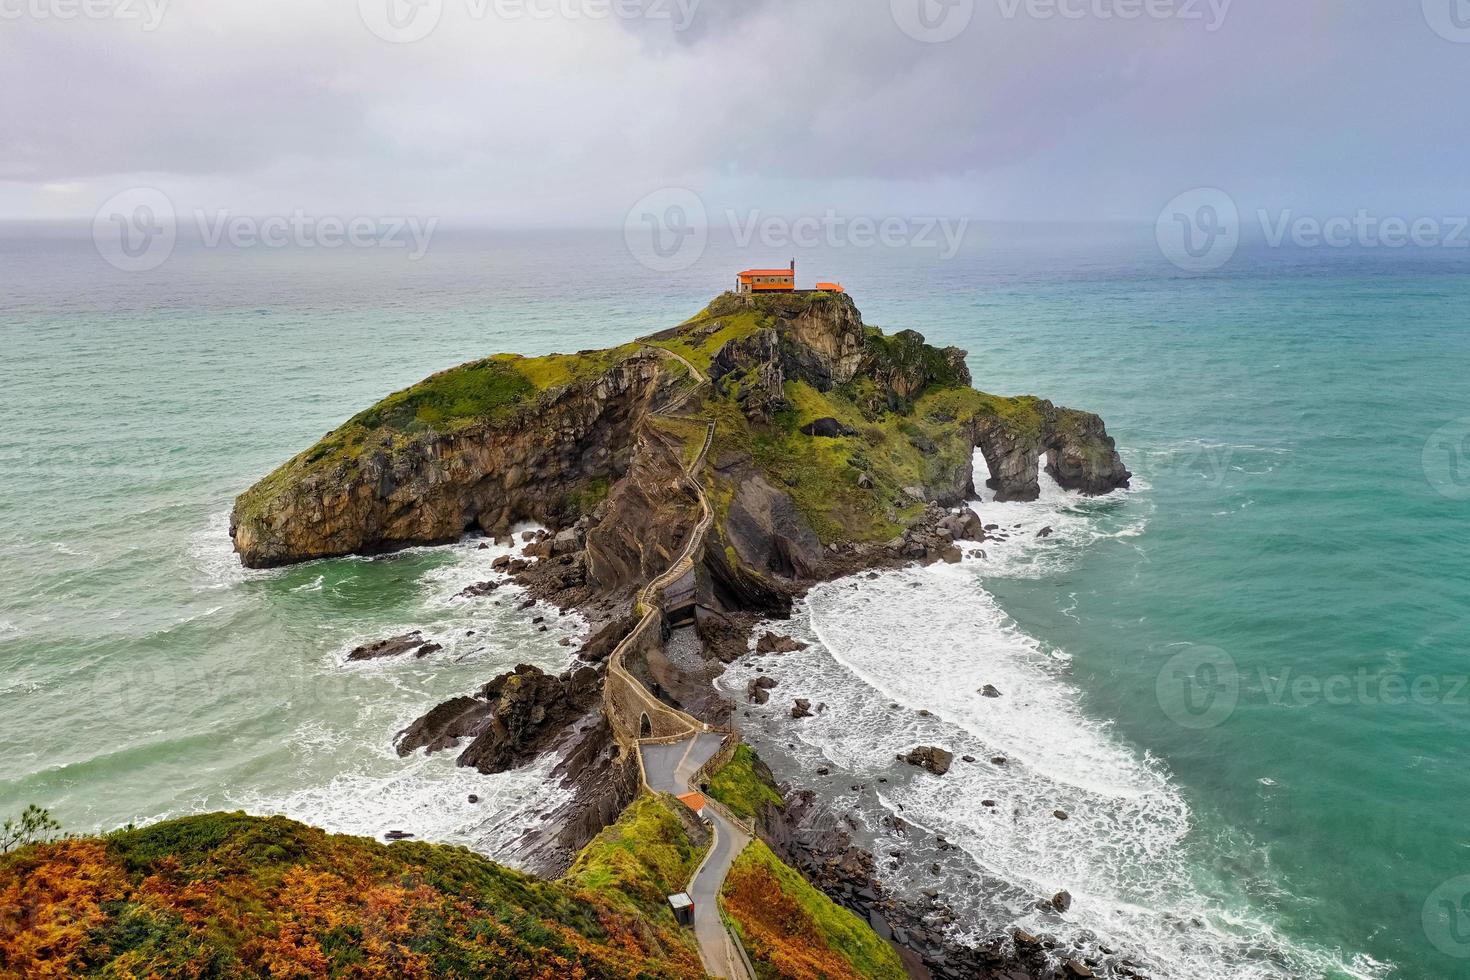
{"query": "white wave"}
(900, 661)
(427, 796)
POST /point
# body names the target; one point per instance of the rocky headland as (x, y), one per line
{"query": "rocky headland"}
(776, 439)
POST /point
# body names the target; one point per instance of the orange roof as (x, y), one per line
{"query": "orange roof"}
(765, 272)
(830, 287)
(694, 801)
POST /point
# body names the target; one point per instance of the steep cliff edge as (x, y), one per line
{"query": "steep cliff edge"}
(829, 432)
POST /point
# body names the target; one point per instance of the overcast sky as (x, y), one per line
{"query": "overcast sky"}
(529, 112)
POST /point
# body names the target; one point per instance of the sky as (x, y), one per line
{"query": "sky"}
(567, 113)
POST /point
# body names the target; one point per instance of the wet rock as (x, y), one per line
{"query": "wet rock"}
(776, 643)
(396, 646)
(1060, 814)
(758, 690)
(801, 708)
(1076, 968)
(1045, 532)
(929, 757)
(397, 835)
(508, 721)
(473, 798)
(968, 758)
(951, 555)
(998, 760)
(990, 691)
(1062, 900)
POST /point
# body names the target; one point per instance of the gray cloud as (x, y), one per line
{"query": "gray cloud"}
(798, 105)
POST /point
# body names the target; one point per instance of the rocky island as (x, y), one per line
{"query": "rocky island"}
(691, 485)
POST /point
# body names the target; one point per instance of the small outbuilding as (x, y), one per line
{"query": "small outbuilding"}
(683, 907)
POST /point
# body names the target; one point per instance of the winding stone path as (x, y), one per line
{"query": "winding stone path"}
(672, 764)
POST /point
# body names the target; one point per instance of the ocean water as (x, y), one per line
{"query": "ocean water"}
(1243, 680)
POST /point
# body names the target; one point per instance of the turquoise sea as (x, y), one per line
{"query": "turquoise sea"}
(1247, 676)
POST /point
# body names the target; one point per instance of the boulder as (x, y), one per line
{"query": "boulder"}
(828, 428)
(801, 708)
(990, 691)
(776, 643)
(929, 757)
(1062, 900)
(508, 721)
(396, 646)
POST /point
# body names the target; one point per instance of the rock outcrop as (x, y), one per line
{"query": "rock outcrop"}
(1080, 454)
(508, 722)
(929, 757)
(383, 483)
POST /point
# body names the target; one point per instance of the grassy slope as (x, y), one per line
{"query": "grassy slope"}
(791, 930)
(741, 785)
(227, 895)
(495, 390)
(639, 861)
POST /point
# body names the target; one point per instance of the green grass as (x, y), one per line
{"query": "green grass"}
(743, 785)
(790, 928)
(640, 860)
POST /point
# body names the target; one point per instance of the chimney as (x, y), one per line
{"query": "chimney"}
(793, 267)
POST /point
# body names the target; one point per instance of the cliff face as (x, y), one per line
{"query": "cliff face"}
(827, 432)
(390, 486)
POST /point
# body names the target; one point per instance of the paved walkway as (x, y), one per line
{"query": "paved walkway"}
(670, 768)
